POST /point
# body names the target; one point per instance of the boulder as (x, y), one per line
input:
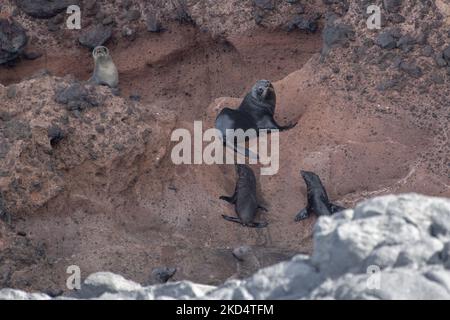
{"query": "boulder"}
(44, 9)
(13, 40)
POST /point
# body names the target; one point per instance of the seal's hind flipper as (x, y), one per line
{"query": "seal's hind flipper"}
(335, 208)
(302, 215)
(258, 225)
(232, 219)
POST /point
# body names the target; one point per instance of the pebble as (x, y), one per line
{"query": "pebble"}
(412, 69)
(440, 61)
(95, 35)
(386, 40)
(153, 24)
(427, 51)
(264, 4)
(133, 15)
(446, 54)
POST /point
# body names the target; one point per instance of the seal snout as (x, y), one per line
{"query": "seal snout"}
(308, 176)
(262, 89)
(304, 173)
(265, 88)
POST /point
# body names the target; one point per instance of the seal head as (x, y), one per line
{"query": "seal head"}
(105, 72)
(318, 202)
(264, 92)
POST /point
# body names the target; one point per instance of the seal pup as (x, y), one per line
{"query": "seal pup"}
(318, 202)
(247, 263)
(244, 199)
(255, 112)
(105, 71)
(163, 274)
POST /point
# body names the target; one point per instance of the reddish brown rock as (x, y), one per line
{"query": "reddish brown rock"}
(105, 194)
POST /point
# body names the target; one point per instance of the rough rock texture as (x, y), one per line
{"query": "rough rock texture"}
(216, 18)
(95, 36)
(13, 40)
(19, 256)
(79, 177)
(405, 237)
(34, 169)
(141, 213)
(44, 9)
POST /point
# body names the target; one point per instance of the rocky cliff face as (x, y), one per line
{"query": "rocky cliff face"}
(85, 172)
(65, 125)
(391, 247)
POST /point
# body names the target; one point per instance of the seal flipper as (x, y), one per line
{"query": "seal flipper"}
(335, 208)
(289, 126)
(263, 209)
(232, 219)
(247, 153)
(302, 215)
(231, 199)
(275, 126)
(258, 225)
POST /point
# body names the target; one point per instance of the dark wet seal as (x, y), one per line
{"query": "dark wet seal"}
(162, 275)
(255, 112)
(318, 202)
(244, 199)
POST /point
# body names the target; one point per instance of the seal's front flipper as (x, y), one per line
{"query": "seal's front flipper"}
(258, 225)
(289, 126)
(335, 208)
(231, 199)
(232, 219)
(302, 215)
(276, 126)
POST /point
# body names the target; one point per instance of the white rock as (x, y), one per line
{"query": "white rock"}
(11, 294)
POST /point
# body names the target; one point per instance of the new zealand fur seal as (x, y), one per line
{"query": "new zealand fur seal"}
(105, 72)
(244, 199)
(255, 112)
(318, 202)
(247, 263)
(163, 274)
